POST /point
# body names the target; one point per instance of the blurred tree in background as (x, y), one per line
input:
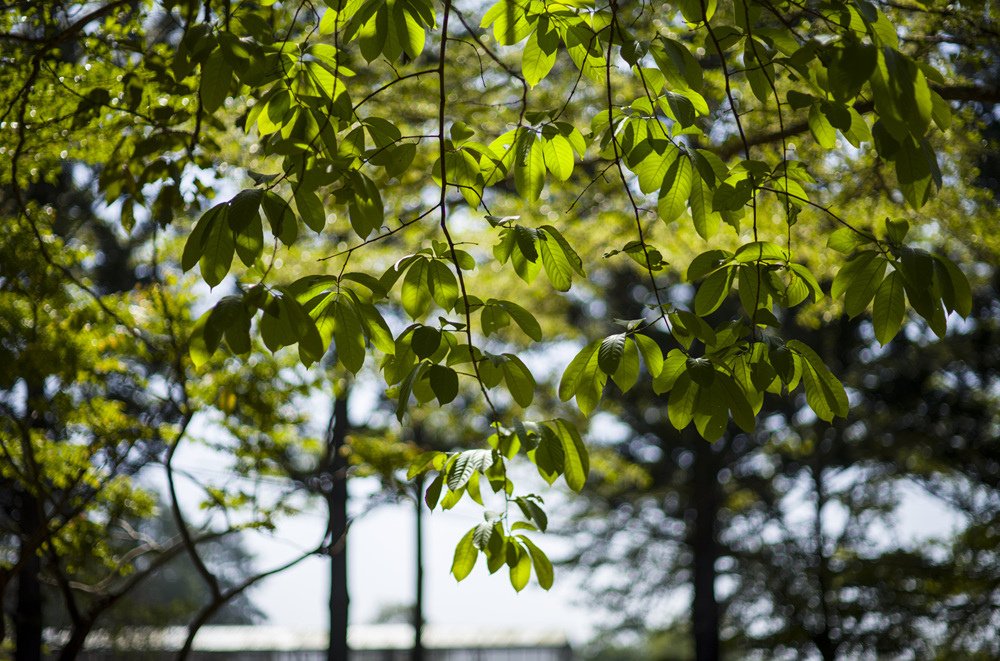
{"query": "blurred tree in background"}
(801, 540)
(390, 179)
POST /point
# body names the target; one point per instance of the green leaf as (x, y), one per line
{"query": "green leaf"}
(627, 374)
(481, 535)
(529, 166)
(713, 291)
(444, 383)
(705, 263)
(433, 493)
(365, 208)
(467, 463)
(218, 249)
(846, 240)
(284, 322)
(273, 113)
(574, 259)
(415, 294)
(348, 336)
(588, 380)
(738, 403)
(651, 354)
(851, 68)
(897, 230)
(856, 264)
(425, 340)
(685, 322)
(863, 286)
(280, 216)
(460, 133)
(238, 332)
(676, 189)
(915, 166)
(244, 220)
(424, 462)
(496, 550)
(194, 247)
(524, 319)
(472, 488)
(825, 394)
(570, 381)
(519, 380)
(732, 197)
(753, 290)
(821, 128)
(311, 209)
(541, 562)
(922, 288)
(558, 258)
(682, 108)
(955, 288)
(889, 308)
(706, 221)
(509, 20)
(609, 355)
(492, 319)
(198, 348)
(805, 276)
(526, 238)
(548, 456)
(409, 29)
(557, 267)
(520, 572)
(443, 284)
(673, 367)
(452, 498)
(534, 512)
(406, 389)
(538, 56)
(760, 251)
(576, 461)
(711, 412)
(525, 269)
(682, 401)
(465, 556)
(376, 329)
(558, 155)
(652, 170)
(216, 75)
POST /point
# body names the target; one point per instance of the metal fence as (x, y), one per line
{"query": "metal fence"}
(367, 642)
(478, 654)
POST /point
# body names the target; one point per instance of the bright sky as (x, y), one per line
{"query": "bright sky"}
(381, 572)
(381, 562)
(381, 559)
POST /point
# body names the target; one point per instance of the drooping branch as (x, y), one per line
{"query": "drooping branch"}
(986, 95)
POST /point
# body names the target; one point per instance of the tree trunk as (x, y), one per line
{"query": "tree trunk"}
(28, 616)
(77, 638)
(705, 552)
(418, 602)
(336, 500)
(822, 638)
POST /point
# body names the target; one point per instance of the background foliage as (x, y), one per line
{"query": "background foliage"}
(711, 191)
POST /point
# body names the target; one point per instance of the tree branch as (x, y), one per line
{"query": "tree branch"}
(962, 93)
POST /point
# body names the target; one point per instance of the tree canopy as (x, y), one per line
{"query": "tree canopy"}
(382, 182)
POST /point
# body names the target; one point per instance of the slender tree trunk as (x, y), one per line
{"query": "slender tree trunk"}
(705, 552)
(418, 602)
(77, 638)
(822, 638)
(28, 616)
(336, 499)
